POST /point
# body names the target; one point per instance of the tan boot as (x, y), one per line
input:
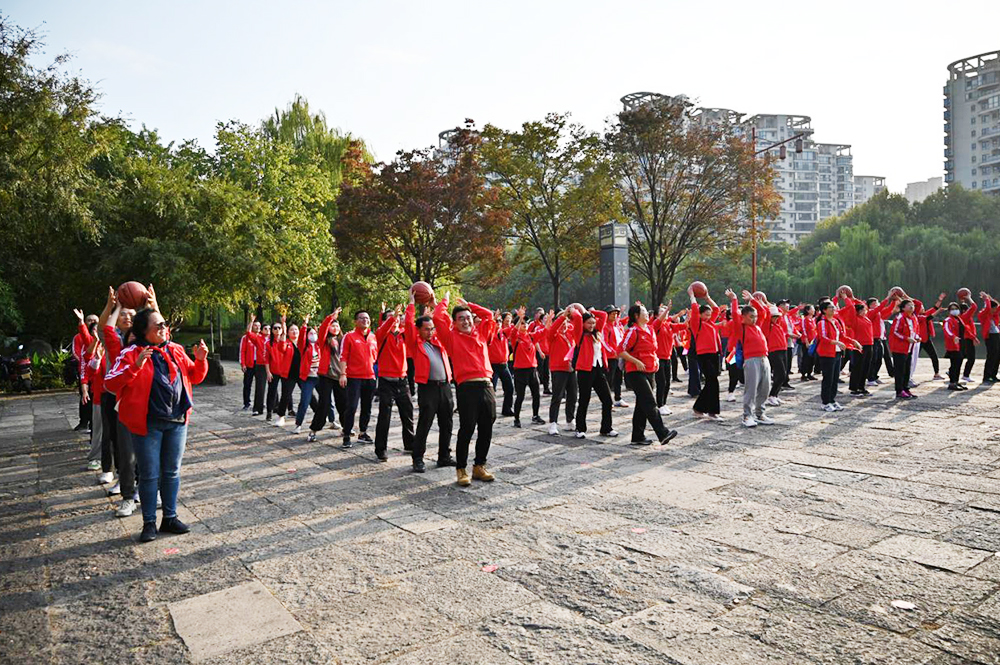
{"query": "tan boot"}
(479, 472)
(463, 477)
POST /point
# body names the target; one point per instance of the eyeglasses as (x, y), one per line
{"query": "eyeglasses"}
(162, 325)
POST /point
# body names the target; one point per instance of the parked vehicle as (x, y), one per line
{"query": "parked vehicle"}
(15, 370)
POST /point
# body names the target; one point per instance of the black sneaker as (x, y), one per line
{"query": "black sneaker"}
(418, 466)
(148, 532)
(79, 427)
(517, 423)
(448, 461)
(172, 525)
(507, 414)
(364, 438)
(347, 445)
(381, 457)
(645, 442)
(670, 435)
(257, 413)
(537, 420)
(953, 386)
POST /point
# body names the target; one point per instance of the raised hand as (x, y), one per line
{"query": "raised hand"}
(112, 297)
(729, 292)
(201, 351)
(79, 315)
(151, 300)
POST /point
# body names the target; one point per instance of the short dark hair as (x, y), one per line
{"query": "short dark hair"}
(872, 301)
(783, 301)
(458, 309)
(859, 308)
(421, 320)
(140, 323)
(747, 309)
(704, 308)
(359, 313)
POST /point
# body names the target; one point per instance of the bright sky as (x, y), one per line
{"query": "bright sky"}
(869, 73)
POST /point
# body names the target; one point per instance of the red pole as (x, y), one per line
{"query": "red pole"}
(753, 217)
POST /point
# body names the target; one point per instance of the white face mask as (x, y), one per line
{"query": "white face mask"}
(954, 312)
(312, 337)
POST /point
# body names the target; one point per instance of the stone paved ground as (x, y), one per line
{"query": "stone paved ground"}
(790, 544)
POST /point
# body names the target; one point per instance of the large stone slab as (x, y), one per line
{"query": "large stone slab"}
(931, 552)
(233, 618)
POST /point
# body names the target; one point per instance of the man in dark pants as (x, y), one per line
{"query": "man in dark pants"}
(468, 346)
(80, 342)
(392, 385)
(261, 372)
(358, 352)
(432, 373)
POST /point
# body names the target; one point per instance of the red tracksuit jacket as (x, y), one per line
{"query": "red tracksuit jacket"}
(469, 352)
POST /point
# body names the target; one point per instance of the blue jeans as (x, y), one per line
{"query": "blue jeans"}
(159, 453)
(307, 386)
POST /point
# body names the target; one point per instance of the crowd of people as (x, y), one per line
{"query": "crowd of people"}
(136, 383)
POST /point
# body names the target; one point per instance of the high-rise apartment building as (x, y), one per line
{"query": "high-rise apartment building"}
(867, 186)
(972, 123)
(918, 191)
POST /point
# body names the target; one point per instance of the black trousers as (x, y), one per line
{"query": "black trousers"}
(992, 356)
(901, 363)
(393, 391)
(523, 377)
(779, 372)
(109, 432)
(862, 367)
(596, 381)
(645, 411)
(679, 354)
(928, 348)
(830, 367)
(543, 371)
(615, 377)
(708, 400)
(360, 392)
(882, 354)
(735, 376)
(324, 396)
(86, 410)
(260, 378)
(411, 373)
(662, 382)
(285, 405)
(694, 373)
(954, 366)
(271, 401)
(789, 354)
(477, 410)
(248, 375)
(969, 353)
(563, 384)
(501, 373)
(808, 363)
(435, 401)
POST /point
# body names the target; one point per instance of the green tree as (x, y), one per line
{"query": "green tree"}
(553, 178)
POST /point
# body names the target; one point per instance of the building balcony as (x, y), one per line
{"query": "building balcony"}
(947, 115)
(990, 159)
(995, 187)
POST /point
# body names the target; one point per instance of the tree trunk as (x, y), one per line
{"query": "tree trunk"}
(334, 300)
(556, 293)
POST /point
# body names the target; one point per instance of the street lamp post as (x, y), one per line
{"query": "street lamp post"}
(753, 181)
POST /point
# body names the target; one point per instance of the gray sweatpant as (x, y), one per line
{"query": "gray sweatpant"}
(757, 384)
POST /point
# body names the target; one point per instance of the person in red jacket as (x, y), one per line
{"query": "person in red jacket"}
(358, 352)
(832, 342)
(93, 388)
(261, 372)
(750, 354)
(80, 342)
(878, 313)
(772, 322)
(327, 374)
(499, 354)
(707, 342)
(153, 379)
(285, 350)
(613, 333)
(274, 354)
(807, 335)
(638, 349)
(971, 339)
(248, 360)
(524, 345)
(954, 333)
(542, 346)
(990, 321)
(664, 327)
(392, 384)
(591, 361)
(561, 347)
(468, 346)
(902, 336)
(854, 314)
(432, 374)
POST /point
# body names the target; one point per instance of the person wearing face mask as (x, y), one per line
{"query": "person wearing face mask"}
(392, 385)
(468, 347)
(591, 361)
(432, 373)
(358, 352)
(954, 332)
(324, 380)
(638, 348)
(309, 353)
(153, 379)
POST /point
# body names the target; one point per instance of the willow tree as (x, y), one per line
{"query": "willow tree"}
(684, 184)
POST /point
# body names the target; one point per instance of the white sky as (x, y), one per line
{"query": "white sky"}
(396, 73)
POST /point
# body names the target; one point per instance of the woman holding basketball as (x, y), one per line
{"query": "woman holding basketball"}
(153, 380)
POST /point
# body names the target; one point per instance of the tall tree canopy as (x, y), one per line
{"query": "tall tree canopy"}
(554, 179)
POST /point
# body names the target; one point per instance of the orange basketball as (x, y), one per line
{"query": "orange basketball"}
(964, 293)
(132, 295)
(896, 291)
(846, 290)
(699, 289)
(422, 292)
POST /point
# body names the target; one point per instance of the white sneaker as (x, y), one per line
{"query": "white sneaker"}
(280, 422)
(553, 429)
(570, 427)
(965, 379)
(125, 508)
(731, 397)
(115, 489)
(334, 424)
(837, 406)
(159, 501)
(105, 478)
(298, 429)
(613, 432)
(937, 377)
(872, 384)
(749, 421)
(913, 384)
(829, 408)
(312, 437)
(764, 420)
(94, 465)
(581, 435)
(621, 402)
(665, 410)
(772, 401)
